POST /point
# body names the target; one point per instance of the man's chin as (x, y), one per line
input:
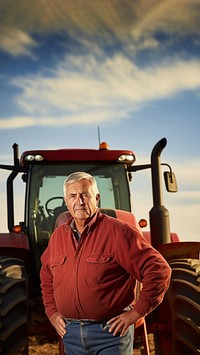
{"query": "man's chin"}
(81, 214)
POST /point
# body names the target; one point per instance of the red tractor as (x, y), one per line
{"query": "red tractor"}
(175, 323)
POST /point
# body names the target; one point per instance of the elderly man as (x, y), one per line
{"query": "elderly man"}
(89, 271)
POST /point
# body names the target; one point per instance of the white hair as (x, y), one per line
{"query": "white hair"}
(80, 175)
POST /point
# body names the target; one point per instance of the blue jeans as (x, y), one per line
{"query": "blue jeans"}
(84, 337)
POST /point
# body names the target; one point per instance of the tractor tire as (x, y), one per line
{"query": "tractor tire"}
(13, 307)
(178, 316)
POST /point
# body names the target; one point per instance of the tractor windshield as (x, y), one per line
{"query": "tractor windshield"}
(45, 193)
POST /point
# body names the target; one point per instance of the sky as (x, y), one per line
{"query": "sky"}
(131, 68)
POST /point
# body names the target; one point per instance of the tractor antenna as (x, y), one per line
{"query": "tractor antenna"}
(99, 135)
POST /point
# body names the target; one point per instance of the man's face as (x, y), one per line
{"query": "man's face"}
(80, 199)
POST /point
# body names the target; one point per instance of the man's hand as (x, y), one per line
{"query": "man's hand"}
(121, 322)
(58, 323)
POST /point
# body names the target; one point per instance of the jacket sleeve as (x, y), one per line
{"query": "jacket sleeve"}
(148, 266)
(46, 278)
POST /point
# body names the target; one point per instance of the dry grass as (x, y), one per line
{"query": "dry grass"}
(38, 346)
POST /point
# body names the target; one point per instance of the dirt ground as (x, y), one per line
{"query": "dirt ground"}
(38, 346)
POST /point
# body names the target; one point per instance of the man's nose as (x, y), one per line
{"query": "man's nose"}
(80, 199)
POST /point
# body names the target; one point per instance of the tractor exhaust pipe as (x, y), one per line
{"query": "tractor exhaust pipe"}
(159, 215)
(10, 194)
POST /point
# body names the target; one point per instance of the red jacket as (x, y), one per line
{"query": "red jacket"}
(95, 277)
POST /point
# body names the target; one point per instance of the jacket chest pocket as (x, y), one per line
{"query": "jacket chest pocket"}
(101, 267)
(58, 265)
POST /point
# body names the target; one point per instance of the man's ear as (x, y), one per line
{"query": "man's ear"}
(65, 200)
(97, 199)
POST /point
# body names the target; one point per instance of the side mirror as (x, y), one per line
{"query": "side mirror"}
(170, 181)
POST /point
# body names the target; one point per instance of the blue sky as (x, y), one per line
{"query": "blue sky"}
(131, 68)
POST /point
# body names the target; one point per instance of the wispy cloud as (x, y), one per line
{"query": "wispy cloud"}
(129, 21)
(17, 42)
(17, 122)
(83, 90)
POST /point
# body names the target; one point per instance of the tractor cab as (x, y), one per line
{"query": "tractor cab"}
(44, 196)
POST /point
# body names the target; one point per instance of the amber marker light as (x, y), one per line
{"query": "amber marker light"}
(17, 229)
(143, 223)
(103, 146)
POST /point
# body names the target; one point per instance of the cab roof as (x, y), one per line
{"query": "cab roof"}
(73, 155)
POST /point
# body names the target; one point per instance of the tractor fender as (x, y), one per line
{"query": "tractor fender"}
(180, 250)
(173, 236)
(13, 241)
